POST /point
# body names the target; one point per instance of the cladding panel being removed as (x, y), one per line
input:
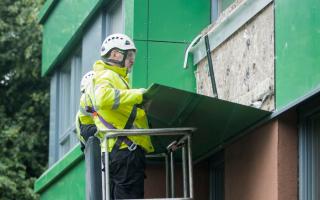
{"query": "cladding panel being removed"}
(244, 64)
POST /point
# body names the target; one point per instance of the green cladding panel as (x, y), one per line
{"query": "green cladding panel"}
(166, 66)
(61, 26)
(164, 28)
(69, 186)
(177, 20)
(140, 24)
(216, 120)
(140, 68)
(67, 175)
(297, 25)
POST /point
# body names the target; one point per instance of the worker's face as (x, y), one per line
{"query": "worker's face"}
(131, 56)
(119, 56)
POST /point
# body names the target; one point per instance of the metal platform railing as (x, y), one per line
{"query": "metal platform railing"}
(183, 143)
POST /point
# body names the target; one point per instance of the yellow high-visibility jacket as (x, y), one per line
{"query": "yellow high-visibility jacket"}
(113, 99)
(82, 117)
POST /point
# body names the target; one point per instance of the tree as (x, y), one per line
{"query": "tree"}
(24, 102)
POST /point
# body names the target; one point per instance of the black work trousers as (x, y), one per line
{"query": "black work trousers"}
(127, 174)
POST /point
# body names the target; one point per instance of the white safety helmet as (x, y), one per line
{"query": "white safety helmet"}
(117, 40)
(86, 79)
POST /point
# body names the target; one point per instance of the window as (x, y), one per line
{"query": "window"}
(64, 97)
(217, 176)
(109, 21)
(65, 82)
(68, 98)
(309, 155)
(114, 18)
(218, 6)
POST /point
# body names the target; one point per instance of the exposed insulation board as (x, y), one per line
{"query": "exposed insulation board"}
(244, 64)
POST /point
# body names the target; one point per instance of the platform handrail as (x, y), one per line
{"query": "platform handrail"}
(185, 132)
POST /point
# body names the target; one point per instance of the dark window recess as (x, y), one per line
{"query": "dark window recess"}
(217, 176)
(309, 154)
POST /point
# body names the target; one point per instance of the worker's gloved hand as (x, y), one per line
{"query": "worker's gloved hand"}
(144, 104)
(143, 90)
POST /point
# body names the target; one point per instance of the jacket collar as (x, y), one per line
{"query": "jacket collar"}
(100, 65)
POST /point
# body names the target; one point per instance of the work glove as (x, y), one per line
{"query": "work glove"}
(141, 105)
(143, 90)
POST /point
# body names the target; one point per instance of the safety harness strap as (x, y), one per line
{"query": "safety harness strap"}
(131, 145)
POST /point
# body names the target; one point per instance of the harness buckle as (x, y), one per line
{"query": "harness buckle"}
(132, 147)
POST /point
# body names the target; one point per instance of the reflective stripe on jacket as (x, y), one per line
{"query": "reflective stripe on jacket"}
(113, 99)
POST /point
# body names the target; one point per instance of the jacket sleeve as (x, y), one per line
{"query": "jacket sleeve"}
(108, 97)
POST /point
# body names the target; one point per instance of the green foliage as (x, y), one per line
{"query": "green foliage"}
(24, 102)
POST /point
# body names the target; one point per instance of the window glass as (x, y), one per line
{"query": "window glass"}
(114, 19)
(217, 176)
(218, 6)
(67, 106)
(309, 157)
(224, 4)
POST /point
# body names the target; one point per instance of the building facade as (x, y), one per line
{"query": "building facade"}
(264, 54)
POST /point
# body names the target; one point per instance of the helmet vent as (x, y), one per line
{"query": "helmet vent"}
(127, 42)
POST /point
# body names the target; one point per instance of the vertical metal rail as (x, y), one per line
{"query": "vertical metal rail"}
(172, 174)
(167, 175)
(190, 167)
(169, 131)
(213, 80)
(93, 169)
(103, 179)
(106, 170)
(184, 171)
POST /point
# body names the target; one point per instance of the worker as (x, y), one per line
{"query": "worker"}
(114, 106)
(85, 126)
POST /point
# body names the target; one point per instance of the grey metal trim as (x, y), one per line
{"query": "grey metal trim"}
(172, 195)
(184, 171)
(53, 127)
(106, 173)
(156, 131)
(93, 169)
(247, 10)
(68, 132)
(190, 164)
(116, 103)
(167, 175)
